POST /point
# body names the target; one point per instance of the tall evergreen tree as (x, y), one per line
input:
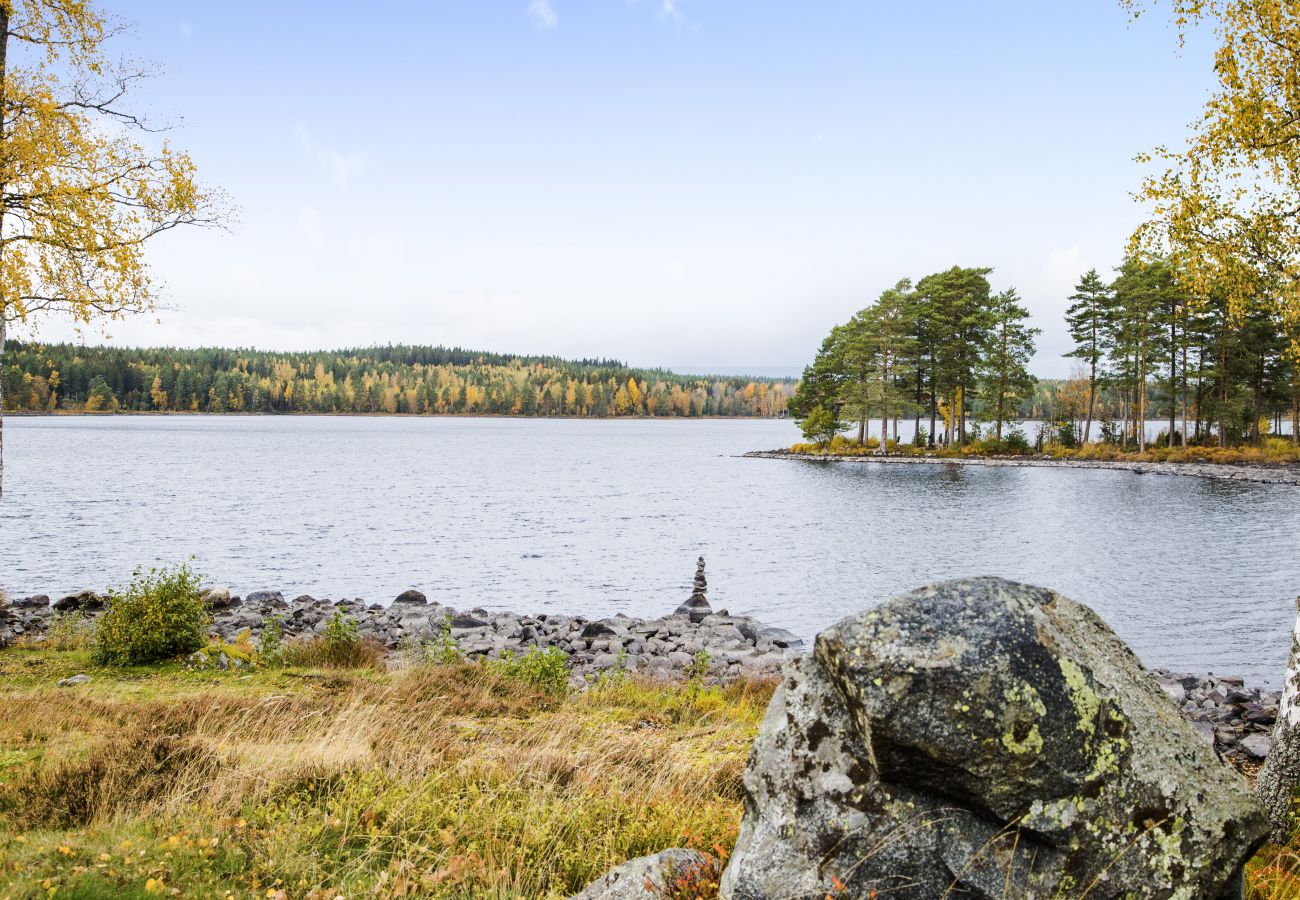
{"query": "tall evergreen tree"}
(1087, 319)
(1005, 367)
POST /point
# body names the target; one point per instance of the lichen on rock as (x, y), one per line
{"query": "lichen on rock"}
(1029, 755)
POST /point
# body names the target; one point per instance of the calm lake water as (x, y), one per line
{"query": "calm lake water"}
(600, 517)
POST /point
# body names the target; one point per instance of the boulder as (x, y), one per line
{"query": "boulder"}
(217, 597)
(74, 680)
(648, 877)
(84, 601)
(982, 738)
(464, 620)
(266, 598)
(411, 596)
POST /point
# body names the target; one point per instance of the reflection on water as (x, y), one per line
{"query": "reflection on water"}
(598, 517)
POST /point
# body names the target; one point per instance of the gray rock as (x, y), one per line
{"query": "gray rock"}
(647, 877)
(1257, 745)
(217, 597)
(74, 680)
(84, 601)
(467, 621)
(266, 598)
(990, 739)
(411, 596)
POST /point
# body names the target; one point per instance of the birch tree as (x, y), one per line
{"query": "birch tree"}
(85, 183)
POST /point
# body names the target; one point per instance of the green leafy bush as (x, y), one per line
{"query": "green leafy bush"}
(546, 669)
(160, 615)
(272, 640)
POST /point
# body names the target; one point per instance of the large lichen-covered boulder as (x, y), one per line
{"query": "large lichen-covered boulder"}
(982, 738)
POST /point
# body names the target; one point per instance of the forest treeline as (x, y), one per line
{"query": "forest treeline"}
(417, 380)
(949, 352)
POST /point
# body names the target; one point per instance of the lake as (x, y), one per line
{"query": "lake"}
(601, 517)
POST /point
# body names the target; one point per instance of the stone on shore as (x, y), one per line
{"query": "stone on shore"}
(990, 739)
(82, 601)
(648, 877)
(411, 596)
(217, 597)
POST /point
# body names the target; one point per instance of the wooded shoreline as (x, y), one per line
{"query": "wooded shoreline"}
(1259, 474)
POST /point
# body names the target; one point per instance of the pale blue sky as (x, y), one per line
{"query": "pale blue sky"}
(693, 184)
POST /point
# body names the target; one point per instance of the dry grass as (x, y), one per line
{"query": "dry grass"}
(321, 652)
(444, 781)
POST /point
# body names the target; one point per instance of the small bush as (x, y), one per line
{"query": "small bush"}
(339, 647)
(1016, 444)
(699, 666)
(272, 640)
(444, 650)
(160, 615)
(72, 630)
(546, 669)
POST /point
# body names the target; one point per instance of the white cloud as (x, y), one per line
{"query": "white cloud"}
(543, 14)
(671, 9)
(310, 223)
(340, 168)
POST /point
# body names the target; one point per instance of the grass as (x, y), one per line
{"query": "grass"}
(444, 780)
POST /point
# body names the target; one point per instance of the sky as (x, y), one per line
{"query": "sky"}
(697, 184)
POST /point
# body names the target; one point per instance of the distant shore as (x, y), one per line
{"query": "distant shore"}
(66, 413)
(1259, 474)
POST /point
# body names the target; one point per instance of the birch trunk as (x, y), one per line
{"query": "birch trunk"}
(1277, 781)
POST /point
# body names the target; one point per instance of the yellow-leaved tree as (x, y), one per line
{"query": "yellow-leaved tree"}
(1227, 204)
(84, 182)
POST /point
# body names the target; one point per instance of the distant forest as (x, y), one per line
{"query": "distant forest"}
(395, 379)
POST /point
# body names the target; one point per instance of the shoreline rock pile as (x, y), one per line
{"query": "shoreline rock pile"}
(693, 639)
(1235, 719)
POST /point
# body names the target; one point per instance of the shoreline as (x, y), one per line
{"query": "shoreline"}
(1256, 474)
(691, 641)
(56, 414)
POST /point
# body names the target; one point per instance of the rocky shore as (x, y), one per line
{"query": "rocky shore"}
(1259, 474)
(692, 640)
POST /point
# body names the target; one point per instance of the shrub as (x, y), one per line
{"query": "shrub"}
(444, 650)
(160, 615)
(699, 666)
(546, 669)
(1016, 443)
(72, 630)
(272, 640)
(820, 425)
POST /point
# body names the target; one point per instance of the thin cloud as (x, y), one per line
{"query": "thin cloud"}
(340, 168)
(543, 14)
